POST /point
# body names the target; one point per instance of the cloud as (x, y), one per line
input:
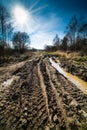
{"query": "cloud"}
(46, 30)
(40, 39)
(41, 29)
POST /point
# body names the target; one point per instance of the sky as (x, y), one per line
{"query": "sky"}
(46, 18)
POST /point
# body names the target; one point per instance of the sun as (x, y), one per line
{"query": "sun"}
(21, 15)
(23, 19)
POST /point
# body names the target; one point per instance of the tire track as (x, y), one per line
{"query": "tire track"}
(43, 87)
(25, 103)
(42, 99)
(72, 100)
(58, 101)
(54, 107)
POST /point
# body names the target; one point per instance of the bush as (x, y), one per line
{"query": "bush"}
(82, 59)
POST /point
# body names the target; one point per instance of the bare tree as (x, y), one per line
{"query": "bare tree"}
(3, 22)
(72, 29)
(64, 45)
(9, 33)
(83, 30)
(20, 41)
(77, 33)
(56, 41)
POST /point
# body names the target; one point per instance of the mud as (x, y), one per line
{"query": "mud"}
(41, 99)
(75, 67)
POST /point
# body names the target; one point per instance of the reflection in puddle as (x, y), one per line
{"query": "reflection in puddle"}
(57, 67)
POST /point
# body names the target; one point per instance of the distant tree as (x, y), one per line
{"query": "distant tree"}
(9, 32)
(56, 42)
(4, 16)
(64, 44)
(72, 29)
(5, 30)
(81, 41)
(2, 46)
(20, 41)
(83, 30)
(48, 48)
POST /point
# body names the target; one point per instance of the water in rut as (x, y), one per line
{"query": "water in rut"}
(74, 79)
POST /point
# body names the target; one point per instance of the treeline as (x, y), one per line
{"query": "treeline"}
(75, 38)
(10, 41)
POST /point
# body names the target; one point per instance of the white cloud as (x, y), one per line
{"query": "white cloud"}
(45, 32)
(42, 30)
(40, 39)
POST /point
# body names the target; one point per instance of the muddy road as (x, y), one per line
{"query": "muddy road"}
(39, 98)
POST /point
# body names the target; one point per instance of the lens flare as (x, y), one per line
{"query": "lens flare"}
(24, 19)
(20, 15)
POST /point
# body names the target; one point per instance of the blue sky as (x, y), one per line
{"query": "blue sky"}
(47, 17)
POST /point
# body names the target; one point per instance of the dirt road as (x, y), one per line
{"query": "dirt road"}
(39, 98)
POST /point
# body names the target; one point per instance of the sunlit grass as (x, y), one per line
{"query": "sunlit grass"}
(81, 59)
(61, 53)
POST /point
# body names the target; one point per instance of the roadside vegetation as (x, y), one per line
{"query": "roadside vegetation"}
(75, 39)
(11, 43)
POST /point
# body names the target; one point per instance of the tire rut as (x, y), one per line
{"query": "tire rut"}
(72, 100)
(42, 99)
(24, 102)
(53, 103)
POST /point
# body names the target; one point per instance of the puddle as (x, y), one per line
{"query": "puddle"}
(82, 85)
(8, 82)
(78, 82)
(57, 67)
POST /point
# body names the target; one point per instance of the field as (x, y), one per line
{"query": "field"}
(35, 96)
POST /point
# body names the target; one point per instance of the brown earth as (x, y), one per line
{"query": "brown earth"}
(39, 98)
(78, 68)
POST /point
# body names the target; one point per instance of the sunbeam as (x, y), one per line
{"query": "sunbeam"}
(33, 5)
(38, 9)
(25, 19)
